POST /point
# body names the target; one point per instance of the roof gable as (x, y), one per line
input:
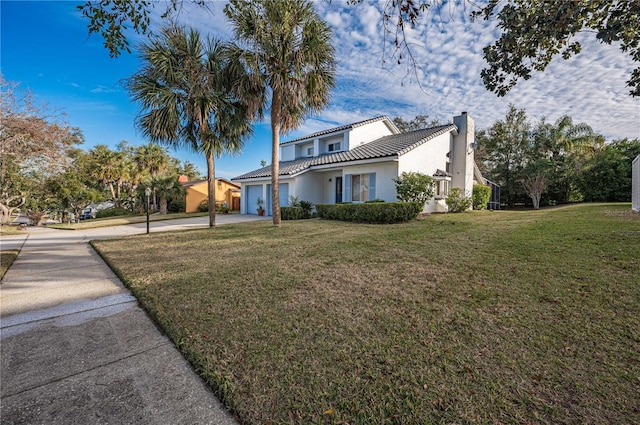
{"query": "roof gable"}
(344, 128)
(387, 146)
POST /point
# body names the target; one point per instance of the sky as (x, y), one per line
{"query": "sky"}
(45, 46)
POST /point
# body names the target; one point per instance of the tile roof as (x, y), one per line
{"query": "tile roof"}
(341, 128)
(387, 146)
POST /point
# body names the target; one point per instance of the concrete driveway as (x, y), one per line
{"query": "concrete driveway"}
(77, 348)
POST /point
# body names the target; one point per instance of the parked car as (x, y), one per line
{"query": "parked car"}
(88, 213)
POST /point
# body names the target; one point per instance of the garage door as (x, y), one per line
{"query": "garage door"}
(253, 193)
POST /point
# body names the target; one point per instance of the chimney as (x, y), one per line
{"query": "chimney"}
(462, 153)
(183, 179)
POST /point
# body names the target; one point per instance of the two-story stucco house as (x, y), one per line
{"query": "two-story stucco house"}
(359, 162)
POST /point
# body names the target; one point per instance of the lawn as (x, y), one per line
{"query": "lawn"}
(484, 317)
(7, 257)
(121, 220)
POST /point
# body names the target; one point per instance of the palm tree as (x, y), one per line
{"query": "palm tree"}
(184, 90)
(165, 188)
(152, 159)
(285, 48)
(564, 143)
(104, 167)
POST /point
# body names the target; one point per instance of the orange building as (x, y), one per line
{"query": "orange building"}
(226, 193)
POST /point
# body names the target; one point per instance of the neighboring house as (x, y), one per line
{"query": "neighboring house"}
(635, 184)
(227, 192)
(359, 162)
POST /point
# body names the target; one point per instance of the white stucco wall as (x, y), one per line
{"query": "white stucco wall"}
(462, 156)
(426, 159)
(288, 152)
(367, 133)
(308, 187)
(325, 142)
(385, 173)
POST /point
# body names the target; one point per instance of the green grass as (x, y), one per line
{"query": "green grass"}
(121, 220)
(7, 257)
(10, 230)
(485, 317)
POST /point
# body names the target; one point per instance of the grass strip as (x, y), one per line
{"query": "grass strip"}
(10, 230)
(483, 317)
(7, 257)
(121, 220)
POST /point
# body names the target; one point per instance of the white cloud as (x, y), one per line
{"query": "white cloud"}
(447, 46)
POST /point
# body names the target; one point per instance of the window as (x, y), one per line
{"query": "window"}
(442, 188)
(447, 167)
(334, 147)
(309, 151)
(360, 188)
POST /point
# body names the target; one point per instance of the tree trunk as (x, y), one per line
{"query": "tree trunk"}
(276, 110)
(116, 200)
(211, 190)
(163, 205)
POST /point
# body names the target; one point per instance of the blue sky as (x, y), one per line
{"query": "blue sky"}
(45, 47)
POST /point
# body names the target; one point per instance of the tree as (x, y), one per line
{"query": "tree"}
(184, 92)
(606, 176)
(105, 167)
(34, 144)
(166, 188)
(563, 144)
(285, 48)
(188, 169)
(74, 189)
(535, 184)
(152, 159)
(111, 17)
(415, 187)
(533, 32)
(507, 143)
(417, 123)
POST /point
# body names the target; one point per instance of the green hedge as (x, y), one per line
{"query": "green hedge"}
(293, 213)
(480, 196)
(112, 212)
(383, 212)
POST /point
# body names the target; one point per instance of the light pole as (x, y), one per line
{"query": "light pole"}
(147, 192)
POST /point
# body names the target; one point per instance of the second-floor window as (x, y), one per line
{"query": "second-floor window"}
(334, 147)
(309, 151)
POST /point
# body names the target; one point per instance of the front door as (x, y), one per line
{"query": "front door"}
(338, 190)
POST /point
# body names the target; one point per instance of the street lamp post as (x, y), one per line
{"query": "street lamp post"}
(147, 192)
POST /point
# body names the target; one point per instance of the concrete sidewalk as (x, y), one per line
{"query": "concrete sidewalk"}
(77, 348)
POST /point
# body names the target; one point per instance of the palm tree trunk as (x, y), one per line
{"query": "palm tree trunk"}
(276, 108)
(163, 205)
(211, 190)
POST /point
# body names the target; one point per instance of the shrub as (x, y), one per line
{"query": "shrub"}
(480, 196)
(377, 212)
(203, 206)
(297, 209)
(177, 205)
(415, 187)
(293, 213)
(223, 208)
(457, 201)
(112, 212)
(374, 201)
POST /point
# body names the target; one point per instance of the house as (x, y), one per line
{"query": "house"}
(635, 184)
(227, 192)
(359, 162)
